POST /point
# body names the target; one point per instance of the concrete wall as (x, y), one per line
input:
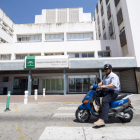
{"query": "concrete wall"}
(134, 22)
(8, 32)
(129, 17)
(56, 47)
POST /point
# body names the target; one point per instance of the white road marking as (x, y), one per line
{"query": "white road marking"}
(67, 108)
(62, 115)
(89, 133)
(62, 133)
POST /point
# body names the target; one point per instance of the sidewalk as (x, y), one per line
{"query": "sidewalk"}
(40, 98)
(51, 98)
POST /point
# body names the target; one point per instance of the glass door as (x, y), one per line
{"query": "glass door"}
(81, 83)
(78, 84)
(86, 84)
(71, 84)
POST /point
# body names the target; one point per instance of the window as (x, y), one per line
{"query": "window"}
(50, 54)
(100, 1)
(104, 36)
(54, 37)
(99, 31)
(29, 38)
(104, 54)
(87, 54)
(97, 8)
(5, 57)
(4, 24)
(102, 10)
(4, 29)
(98, 20)
(79, 55)
(123, 40)
(108, 12)
(103, 24)
(94, 17)
(5, 79)
(11, 30)
(107, 2)
(73, 55)
(79, 36)
(119, 17)
(3, 41)
(116, 2)
(111, 29)
(21, 56)
(107, 48)
(35, 54)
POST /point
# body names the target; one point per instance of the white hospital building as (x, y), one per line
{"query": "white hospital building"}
(65, 50)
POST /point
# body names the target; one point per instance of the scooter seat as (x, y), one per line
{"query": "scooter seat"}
(120, 96)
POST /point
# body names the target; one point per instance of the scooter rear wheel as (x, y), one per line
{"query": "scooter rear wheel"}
(82, 115)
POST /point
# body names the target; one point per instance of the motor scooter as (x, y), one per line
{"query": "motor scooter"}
(119, 108)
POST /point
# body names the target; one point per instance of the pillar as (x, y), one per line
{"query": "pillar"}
(64, 72)
(100, 74)
(29, 82)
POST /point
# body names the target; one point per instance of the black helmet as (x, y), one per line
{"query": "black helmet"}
(107, 66)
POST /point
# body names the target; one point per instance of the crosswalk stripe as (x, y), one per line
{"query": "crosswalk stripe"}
(89, 133)
(67, 108)
(58, 115)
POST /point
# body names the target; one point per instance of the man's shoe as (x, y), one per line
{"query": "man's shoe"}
(99, 123)
(97, 109)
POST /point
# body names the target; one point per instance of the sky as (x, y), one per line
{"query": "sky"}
(24, 11)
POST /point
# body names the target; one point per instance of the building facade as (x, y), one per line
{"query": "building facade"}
(64, 51)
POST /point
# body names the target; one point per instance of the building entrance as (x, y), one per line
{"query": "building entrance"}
(79, 84)
(21, 84)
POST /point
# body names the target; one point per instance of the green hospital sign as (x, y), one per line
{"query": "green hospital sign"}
(30, 62)
(46, 62)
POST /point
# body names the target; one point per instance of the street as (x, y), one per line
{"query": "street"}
(56, 121)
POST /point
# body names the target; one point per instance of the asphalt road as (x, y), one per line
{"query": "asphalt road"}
(56, 120)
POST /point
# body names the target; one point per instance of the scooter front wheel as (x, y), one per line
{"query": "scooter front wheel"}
(82, 115)
(128, 116)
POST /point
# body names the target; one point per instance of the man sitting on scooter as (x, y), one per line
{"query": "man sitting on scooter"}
(110, 89)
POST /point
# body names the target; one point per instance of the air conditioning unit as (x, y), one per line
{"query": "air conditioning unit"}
(107, 48)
